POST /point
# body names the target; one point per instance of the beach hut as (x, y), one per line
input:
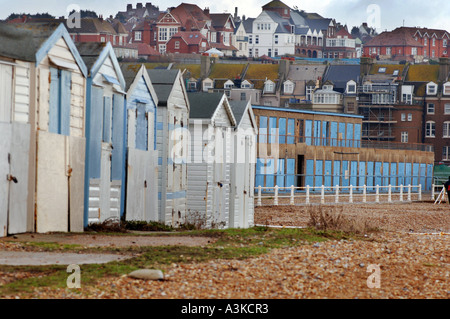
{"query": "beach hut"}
(105, 134)
(43, 89)
(171, 143)
(142, 157)
(243, 161)
(209, 170)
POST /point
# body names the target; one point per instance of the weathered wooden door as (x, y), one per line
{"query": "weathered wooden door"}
(14, 146)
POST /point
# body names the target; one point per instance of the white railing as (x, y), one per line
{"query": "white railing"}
(266, 196)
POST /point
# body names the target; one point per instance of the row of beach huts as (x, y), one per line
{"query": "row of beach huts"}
(85, 139)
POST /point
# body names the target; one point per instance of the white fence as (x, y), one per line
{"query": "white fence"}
(268, 196)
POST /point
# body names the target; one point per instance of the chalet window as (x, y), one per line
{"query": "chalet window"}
(430, 108)
(107, 110)
(431, 89)
(351, 88)
(430, 129)
(138, 36)
(141, 127)
(60, 99)
(404, 137)
(446, 132)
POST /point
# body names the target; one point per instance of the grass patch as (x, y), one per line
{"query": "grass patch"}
(230, 244)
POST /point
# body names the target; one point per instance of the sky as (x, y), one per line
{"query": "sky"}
(381, 14)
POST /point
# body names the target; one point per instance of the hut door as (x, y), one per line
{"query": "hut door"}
(14, 144)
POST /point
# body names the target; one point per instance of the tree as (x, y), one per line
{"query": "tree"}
(86, 14)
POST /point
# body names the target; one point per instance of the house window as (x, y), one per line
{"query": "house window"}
(447, 109)
(269, 86)
(177, 44)
(404, 137)
(430, 108)
(256, 39)
(250, 39)
(250, 52)
(431, 89)
(256, 53)
(243, 96)
(276, 38)
(163, 34)
(430, 129)
(138, 36)
(269, 52)
(447, 89)
(162, 48)
(446, 129)
(446, 153)
(414, 51)
(409, 117)
(433, 54)
(351, 88)
(425, 41)
(434, 42)
(288, 87)
(309, 91)
(407, 98)
(444, 43)
(388, 51)
(403, 117)
(102, 40)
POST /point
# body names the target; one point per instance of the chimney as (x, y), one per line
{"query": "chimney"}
(235, 13)
(149, 6)
(366, 64)
(444, 68)
(206, 11)
(139, 5)
(205, 66)
(129, 7)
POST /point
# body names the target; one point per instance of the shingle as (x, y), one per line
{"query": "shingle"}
(238, 108)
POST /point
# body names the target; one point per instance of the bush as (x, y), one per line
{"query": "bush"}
(334, 219)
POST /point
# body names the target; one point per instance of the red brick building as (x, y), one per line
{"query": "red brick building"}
(410, 44)
(188, 42)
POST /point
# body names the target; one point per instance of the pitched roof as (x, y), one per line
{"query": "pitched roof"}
(423, 73)
(204, 105)
(17, 43)
(90, 52)
(145, 49)
(163, 81)
(190, 16)
(341, 74)
(398, 37)
(93, 25)
(190, 37)
(218, 20)
(239, 108)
